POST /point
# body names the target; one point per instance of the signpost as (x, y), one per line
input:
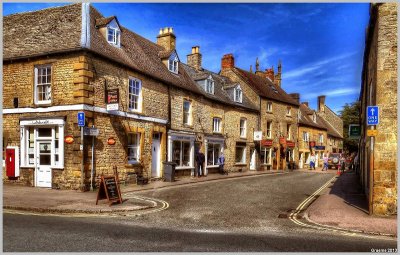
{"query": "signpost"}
(372, 115)
(354, 131)
(81, 124)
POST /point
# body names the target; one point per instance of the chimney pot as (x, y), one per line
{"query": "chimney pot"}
(321, 103)
(194, 59)
(166, 38)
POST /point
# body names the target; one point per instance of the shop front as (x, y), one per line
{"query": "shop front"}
(319, 154)
(290, 162)
(266, 154)
(214, 147)
(42, 148)
(181, 150)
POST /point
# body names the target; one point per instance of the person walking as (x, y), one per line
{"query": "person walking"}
(342, 161)
(221, 163)
(312, 162)
(325, 158)
(200, 158)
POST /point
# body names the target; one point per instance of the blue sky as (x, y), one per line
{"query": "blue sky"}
(321, 45)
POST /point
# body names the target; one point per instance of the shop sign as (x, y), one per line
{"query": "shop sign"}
(182, 138)
(282, 140)
(320, 148)
(290, 144)
(312, 144)
(112, 99)
(266, 143)
(354, 131)
(69, 139)
(257, 135)
(215, 141)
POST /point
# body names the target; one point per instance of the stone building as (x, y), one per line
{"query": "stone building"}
(334, 125)
(223, 118)
(312, 135)
(378, 154)
(278, 112)
(47, 82)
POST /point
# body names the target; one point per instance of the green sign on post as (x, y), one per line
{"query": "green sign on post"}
(354, 131)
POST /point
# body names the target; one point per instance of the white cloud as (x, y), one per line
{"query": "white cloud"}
(331, 93)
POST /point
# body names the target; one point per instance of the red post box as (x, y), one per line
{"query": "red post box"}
(12, 161)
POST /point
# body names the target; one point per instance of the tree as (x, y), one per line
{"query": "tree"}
(350, 115)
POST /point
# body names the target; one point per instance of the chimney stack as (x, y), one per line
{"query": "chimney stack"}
(270, 73)
(227, 61)
(258, 72)
(278, 76)
(166, 38)
(305, 103)
(194, 59)
(296, 97)
(321, 103)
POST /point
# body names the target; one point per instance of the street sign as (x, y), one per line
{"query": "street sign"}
(354, 131)
(372, 115)
(257, 135)
(81, 119)
(90, 131)
(372, 132)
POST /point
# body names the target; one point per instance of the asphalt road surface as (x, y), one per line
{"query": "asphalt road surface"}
(233, 215)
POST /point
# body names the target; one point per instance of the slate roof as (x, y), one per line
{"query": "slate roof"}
(265, 87)
(58, 29)
(331, 130)
(306, 119)
(220, 94)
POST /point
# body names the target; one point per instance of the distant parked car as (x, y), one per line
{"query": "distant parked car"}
(333, 160)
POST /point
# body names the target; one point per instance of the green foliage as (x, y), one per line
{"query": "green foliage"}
(350, 115)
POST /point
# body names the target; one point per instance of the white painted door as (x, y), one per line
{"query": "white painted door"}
(301, 160)
(155, 156)
(252, 159)
(43, 166)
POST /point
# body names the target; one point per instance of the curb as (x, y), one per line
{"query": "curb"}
(349, 230)
(202, 180)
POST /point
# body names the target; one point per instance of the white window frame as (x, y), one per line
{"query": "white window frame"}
(306, 136)
(48, 101)
(215, 157)
(116, 35)
(181, 142)
(288, 131)
(314, 117)
(269, 106)
(243, 155)
(173, 63)
(289, 111)
(267, 160)
(134, 81)
(209, 85)
(217, 125)
(189, 119)
(321, 138)
(243, 129)
(269, 129)
(238, 95)
(134, 147)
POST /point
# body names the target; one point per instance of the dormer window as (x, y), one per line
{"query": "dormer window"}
(173, 63)
(238, 95)
(113, 34)
(210, 85)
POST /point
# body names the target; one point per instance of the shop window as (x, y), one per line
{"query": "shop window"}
(135, 94)
(217, 125)
(265, 155)
(269, 129)
(269, 106)
(43, 84)
(243, 128)
(187, 111)
(181, 153)
(213, 153)
(134, 148)
(240, 154)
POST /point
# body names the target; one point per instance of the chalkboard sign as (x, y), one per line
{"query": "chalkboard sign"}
(109, 190)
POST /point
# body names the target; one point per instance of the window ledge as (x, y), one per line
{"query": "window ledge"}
(43, 104)
(212, 166)
(26, 166)
(240, 164)
(183, 167)
(188, 126)
(133, 164)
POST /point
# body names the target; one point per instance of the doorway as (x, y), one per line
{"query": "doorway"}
(252, 159)
(155, 155)
(43, 164)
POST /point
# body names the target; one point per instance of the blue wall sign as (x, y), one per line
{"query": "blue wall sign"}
(372, 115)
(81, 119)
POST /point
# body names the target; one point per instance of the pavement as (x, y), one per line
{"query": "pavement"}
(342, 205)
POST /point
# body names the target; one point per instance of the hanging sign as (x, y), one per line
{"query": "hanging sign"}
(91, 131)
(290, 144)
(257, 135)
(112, 99)
(266, 143)
(109, 189)
(312, 144)
(282, 140)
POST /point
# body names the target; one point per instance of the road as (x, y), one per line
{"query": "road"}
(233, 215)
